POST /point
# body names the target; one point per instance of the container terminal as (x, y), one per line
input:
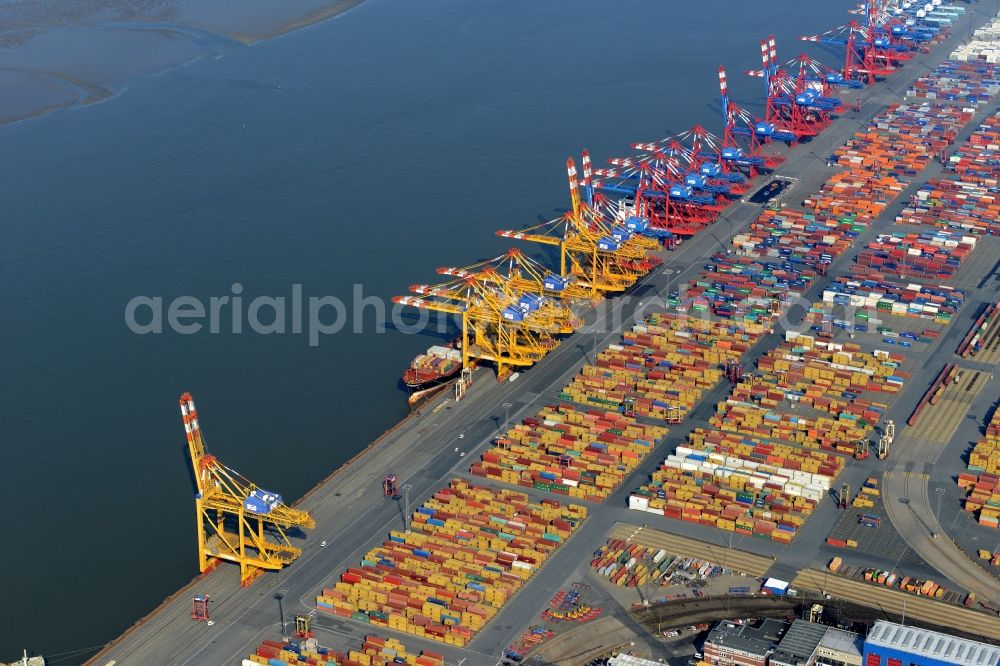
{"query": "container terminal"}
(821, 460)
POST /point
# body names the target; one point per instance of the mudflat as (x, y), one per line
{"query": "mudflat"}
(56, 54)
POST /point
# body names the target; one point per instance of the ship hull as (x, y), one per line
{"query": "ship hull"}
(420, 397)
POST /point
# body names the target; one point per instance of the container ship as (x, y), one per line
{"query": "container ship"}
(431, 372)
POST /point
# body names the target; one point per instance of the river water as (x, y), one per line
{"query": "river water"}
(366, 150)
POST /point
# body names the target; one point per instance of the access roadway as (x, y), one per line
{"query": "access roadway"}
(352, 516)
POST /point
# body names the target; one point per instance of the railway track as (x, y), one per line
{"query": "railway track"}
(908, 507)
(680, 613)
(896, 602)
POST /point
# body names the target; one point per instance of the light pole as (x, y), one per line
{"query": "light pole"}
(937, 513)
(281, 612)
(406, 507)
(506, 415)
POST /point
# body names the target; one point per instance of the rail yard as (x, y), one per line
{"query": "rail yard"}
(792, 393)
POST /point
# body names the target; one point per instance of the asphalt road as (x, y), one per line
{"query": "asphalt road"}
(352, 516)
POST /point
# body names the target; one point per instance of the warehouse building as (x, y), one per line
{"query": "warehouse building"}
(731, 644)
(840, 648)
(798, 645)
(891, 644)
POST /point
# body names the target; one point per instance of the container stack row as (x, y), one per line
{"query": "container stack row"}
(800, 238)
(375, 651)
(665, 364)
(984, 47)
(828, 377)
(958, 81)
(822, 432)
(938, 303)
(931, 255)
(978, 159)
(633, 565)
(748, 291)
(469, 549)
(982, 480)
(582, 453)
(967, 200)
(739, 484)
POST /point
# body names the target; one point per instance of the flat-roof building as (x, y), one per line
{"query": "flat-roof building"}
(891, 644)
(798, 645)
(840, 648)
(731, 644)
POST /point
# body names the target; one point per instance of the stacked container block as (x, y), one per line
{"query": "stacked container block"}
(469, 550)
(800, 238)
(872, 292)
(823, 433)
(632, 565)
(825, 376)
(932, 255)
(961, 82)
(982, 481)
(749, 292)
(666, 364)
(897, 145)
(739, 484)
(375, 651)
(968, 201)
(572, 451)
(983, 48)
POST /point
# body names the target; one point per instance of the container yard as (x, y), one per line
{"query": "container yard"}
(982, 480)
(758, 452)
(926, 256)
(937, 303)
(582, 453)
(728, 483)
(965, 200)
(375, 651)
(469, 548)
(628, 564)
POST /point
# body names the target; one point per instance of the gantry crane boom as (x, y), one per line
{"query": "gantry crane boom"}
(493, 328)
(602, 263)
(525, 275)
(496, 293)
(237, 521)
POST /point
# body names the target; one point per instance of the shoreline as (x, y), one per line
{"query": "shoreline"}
(319, 485)
(351, 463)
(91, 93)
(313, 18)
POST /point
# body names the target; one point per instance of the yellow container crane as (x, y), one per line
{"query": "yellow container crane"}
(237, 521)
(491, 294)
(525, 275)
(495, 326)
(594, 261)
(603, 256)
